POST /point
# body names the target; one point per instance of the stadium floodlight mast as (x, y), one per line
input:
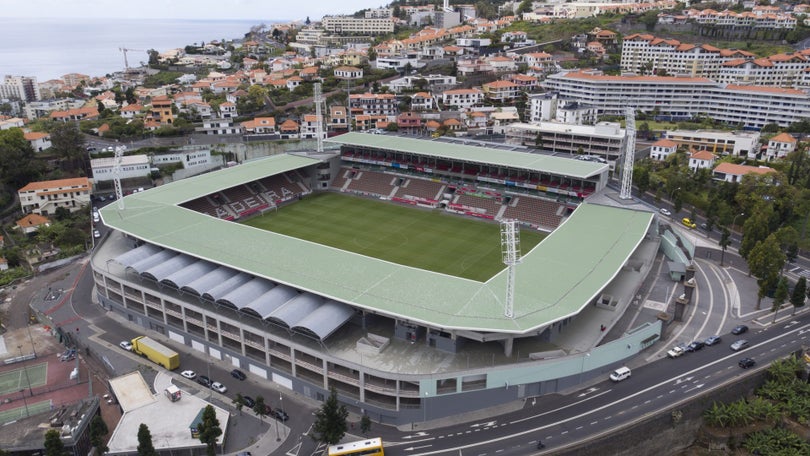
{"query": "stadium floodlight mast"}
(629, 154)
(510, 250)
(318, 99)
(119, 194)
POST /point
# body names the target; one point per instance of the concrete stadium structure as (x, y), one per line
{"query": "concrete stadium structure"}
(398, 343)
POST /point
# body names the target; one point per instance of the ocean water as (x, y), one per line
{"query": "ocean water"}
(50, 48)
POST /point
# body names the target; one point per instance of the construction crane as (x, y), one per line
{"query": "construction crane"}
(125, 50)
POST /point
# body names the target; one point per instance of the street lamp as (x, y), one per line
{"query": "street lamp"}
(281, 401)
(582, 366)
(671, 194)
(25, 369)
(734, 220)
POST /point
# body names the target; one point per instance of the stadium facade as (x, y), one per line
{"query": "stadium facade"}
(398, 343)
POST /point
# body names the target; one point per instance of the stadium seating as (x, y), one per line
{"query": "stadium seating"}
(281, 187)
(536, 211)
(420, 188)
(373, 182)
(489, 205)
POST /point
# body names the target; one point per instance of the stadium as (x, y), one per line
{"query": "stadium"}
(248, 266)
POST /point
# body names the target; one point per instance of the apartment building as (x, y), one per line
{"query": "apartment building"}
(648, 54)
(373, 104)
(44, 197)
(131, 166)
(677, 98)
(502, 91)
(357, 26)
(161, 110)
(22, 88)
(462, 98)
(780, 70)
(310, 125)
(738, 144)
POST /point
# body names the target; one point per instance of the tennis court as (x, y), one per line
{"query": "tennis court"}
(17, 379)
(426, 239)
(32, 408)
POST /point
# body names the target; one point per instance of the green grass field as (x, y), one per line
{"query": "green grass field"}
(427, 239)
(18, 379)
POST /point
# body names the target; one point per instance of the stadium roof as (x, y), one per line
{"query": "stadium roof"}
(555, 280)
(487, 155)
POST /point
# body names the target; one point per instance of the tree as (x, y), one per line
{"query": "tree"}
(239, 402)
(780, 296)
(67, 141)
(53, 444)
(18, 164)
(260, 408)
(145, 447)
(798, 296)
(153, 57)
(765, 261)
(756, 228)
(98, 429)
(650, 19)
(525, 7)
(330, 421)
(209, 430)
(365, 424)
(724, 242)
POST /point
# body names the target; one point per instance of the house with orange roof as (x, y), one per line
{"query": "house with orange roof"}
(44, 197)
(3, 264)
(31, 223)
(452, 124)
(383, 104)
(422, 101)
(131, 110)
(309, 127)
(227, 110)
(502, 91)
(662, 149)
(701, 159)
(731, 172)
(462, 98)
(39, 141)
(432, 125)
(476, 119)
(502, 63)
(289, 129)
(72, 115)
(293, 82)
(11, 122)
(161, 110)
(780, 146)
(260, 126)
(409, 122)
(338, 118)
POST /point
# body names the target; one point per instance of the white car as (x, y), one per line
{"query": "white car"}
(219, 387)
(96, 234)
(665, 211)
(189, 374)
(126, 345)
(676, 352)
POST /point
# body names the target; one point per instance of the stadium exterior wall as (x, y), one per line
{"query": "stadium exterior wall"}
(504, 384)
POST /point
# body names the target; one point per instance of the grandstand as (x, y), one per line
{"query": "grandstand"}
(389, 338)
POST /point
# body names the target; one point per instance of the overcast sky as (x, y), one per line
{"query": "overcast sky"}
(259, 10)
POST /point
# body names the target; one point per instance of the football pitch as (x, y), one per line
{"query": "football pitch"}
(422, 238)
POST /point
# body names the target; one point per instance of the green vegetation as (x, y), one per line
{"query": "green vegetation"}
(420, 238)
(330, 421)
(162, 78)
(783, 400)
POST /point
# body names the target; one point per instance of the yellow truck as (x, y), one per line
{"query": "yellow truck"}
(156, 352)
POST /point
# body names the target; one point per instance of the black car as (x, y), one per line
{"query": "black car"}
(739, 330)
(248, 401)
(237, 374)
(204, 381)
(280, 415)
(745, 363)
(695, 346)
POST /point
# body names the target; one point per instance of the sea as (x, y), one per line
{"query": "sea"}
(49, 48)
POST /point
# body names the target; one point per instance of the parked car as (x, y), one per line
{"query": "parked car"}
(248, 401)
(665, 211)
(219, 387)
(189, 374)
(677, 351)
(203, 380)
(96, 234)
(237, 374)
(712, 341)
(687, 222)
(280, 415)
(695, 346)
(126, 345)
(745, 363)
(740, 329)
(739, 345)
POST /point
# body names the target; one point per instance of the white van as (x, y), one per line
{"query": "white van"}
(620, 374)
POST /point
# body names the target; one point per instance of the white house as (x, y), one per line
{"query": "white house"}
(45, 197)
(662, 149)
(39, 141)
(227, 110)
(462, 98)
(780, 146)
(731, 172)
(701, 159)
(131, 166)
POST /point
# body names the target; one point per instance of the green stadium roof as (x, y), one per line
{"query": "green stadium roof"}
(492, 156)
(555, 280)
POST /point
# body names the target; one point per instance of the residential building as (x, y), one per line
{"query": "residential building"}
(13, 122)
(132, 166)
(605, 139)
(738, 144)
(72, 115)
(409, 122)
(188, 158)
(358, 26)
(219, 127)
(701, 159)
(731, 172)
(227, 110)
(161, 110)
(39, 141)
(462, 98)
(45, 197)
(309, 127)
(436, 82)
(502, 91)
(24, 88)
(289, 129)
(31, 223)
(422, 101)
(662, 149)
(384, 104)
(648, 54)
(681, 98)
(75, 79)
(260, 126)
(780, 146)
(36, 109)
(131, 110)
(338, 119)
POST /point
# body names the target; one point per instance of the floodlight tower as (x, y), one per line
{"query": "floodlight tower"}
(510, 250)
(318, 99)
(629, 154)
(119, 194)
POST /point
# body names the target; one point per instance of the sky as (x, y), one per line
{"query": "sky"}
(259, 10)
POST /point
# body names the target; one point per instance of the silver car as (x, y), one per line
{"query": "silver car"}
(739, 345)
